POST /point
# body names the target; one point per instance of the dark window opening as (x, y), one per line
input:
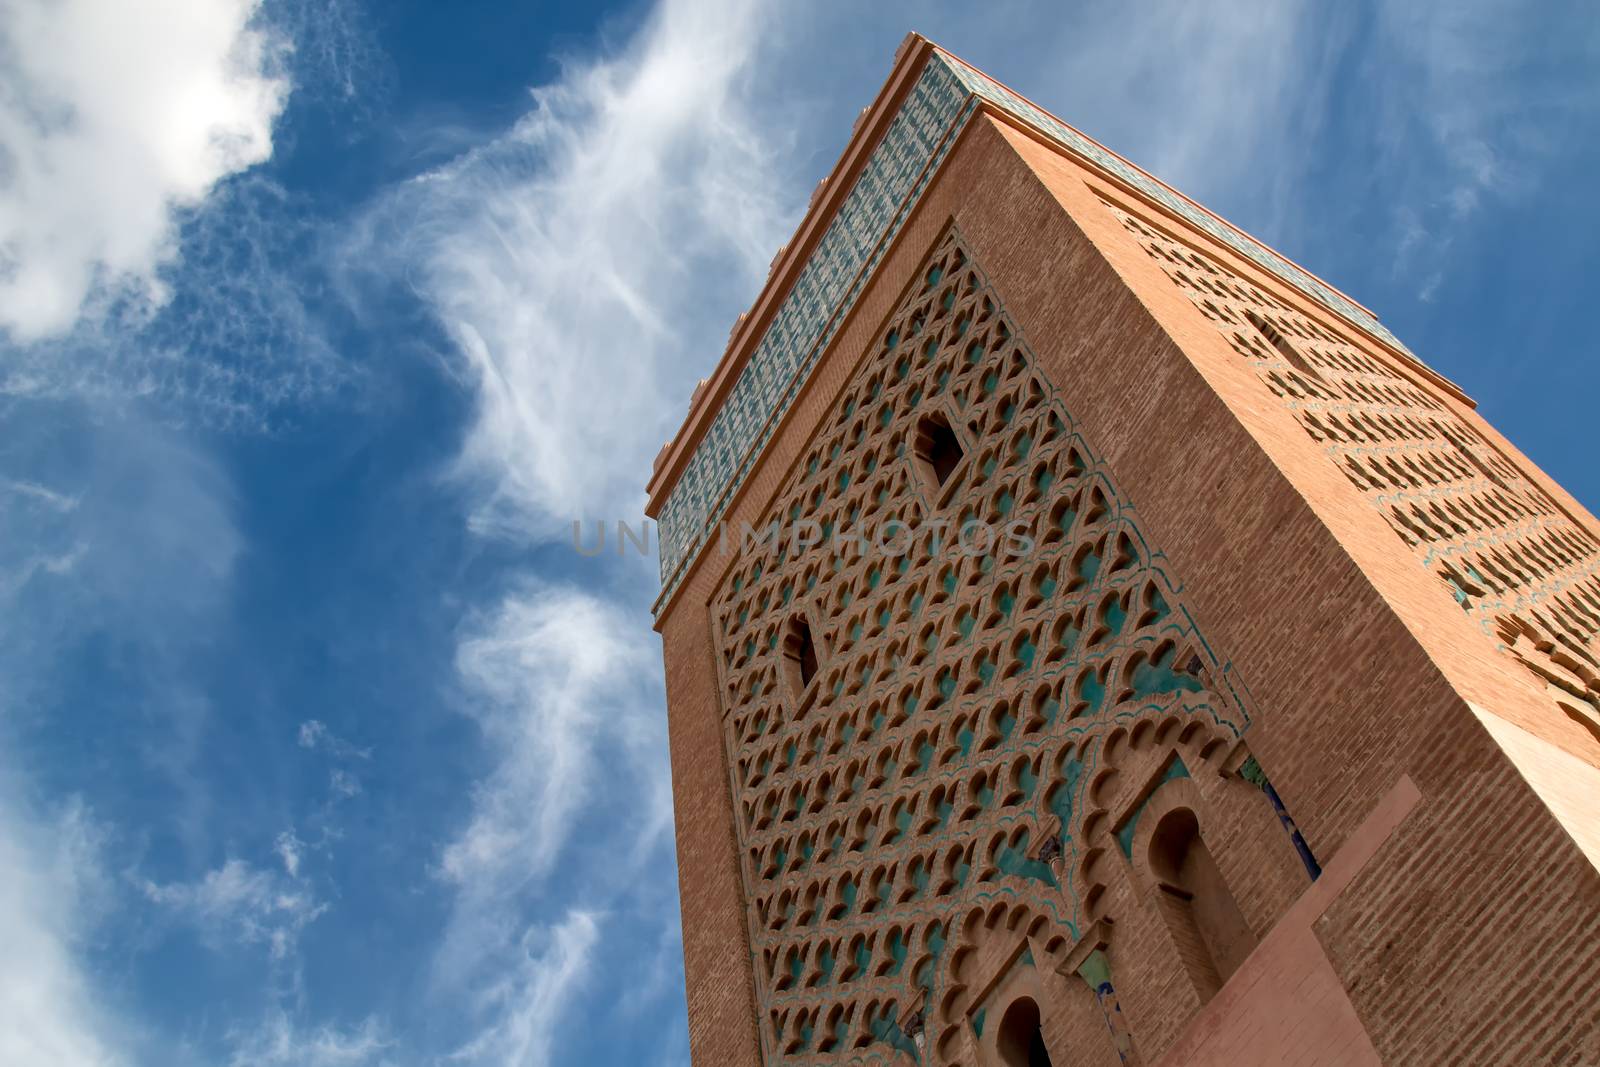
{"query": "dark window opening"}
(937, 449)
(800, 655)
(1020, 1041)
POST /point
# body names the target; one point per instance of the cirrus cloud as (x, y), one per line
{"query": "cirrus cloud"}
(573, 260)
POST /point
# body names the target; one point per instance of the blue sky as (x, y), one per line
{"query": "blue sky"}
(320, 322)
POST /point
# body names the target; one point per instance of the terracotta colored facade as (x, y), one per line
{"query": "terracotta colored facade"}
(1091, 639)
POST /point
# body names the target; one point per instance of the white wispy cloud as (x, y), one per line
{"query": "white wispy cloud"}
(1220, 101)
(127, 537)
(53, 890)
(290, 850)
(563, 685)
(1449, 64)
(343, 784)
(40, 494)
(520, 1009)
(1474, 100)
(314, 734)
(279, 1041)
(114, 118)
(580, 260)
(556, 676)
(140, 528)
(337, 59)
(240, 346)
(239, 902)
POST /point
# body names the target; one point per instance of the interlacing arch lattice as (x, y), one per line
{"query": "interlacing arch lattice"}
(932, 773)
(1500, 545)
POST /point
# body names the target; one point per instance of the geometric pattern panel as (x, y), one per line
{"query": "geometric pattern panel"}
(943, 753)
(1500, 545)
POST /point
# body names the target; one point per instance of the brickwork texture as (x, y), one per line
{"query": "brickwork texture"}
(1143, 663)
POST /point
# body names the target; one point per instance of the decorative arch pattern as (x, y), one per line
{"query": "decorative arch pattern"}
(1524, 569)
(962, 740)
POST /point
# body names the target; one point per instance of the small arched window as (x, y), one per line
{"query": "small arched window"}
(1199, 910)
(1020, 1041)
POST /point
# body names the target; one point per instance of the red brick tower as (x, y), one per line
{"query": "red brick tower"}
(1262, 726)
